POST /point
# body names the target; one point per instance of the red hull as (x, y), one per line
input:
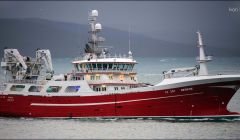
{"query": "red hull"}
(201, 100)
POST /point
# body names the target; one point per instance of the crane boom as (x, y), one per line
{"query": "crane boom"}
(45, 56)
(9, 54)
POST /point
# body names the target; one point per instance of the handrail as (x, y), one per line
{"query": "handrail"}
(105, 71)
(225, 71)
(27, 81)
(106, 56)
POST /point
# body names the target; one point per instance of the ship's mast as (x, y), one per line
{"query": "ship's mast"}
(129, 43)
(202, 57)
(94, 39)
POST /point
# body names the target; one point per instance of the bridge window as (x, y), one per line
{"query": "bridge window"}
(88, 66)
(114, 67)
(91, 66)
(126, 66)
(121, 66)
(53, 89)
(17, 87)
(94, 65)
(99, 66)
(110, 66)
(130, 67)
(35, 89)
(77, 67)
(70, 89)
(105, 66)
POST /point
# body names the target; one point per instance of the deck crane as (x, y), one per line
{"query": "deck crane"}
(14, 62)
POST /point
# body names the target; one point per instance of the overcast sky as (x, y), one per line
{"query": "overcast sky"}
(157, 19)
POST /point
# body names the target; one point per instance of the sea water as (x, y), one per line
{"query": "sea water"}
(149, 71)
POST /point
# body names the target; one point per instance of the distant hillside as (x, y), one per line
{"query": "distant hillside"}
(68, 39)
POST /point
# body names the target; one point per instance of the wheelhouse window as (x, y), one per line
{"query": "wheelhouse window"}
(99, 66)
(110, 66)
(77, 67)
(53, 89)
(130, 67)
(35, 89)
(121, 66)
(94, 65)
(117, 66)
(126, 67)
(17, 87)
(89, 66)
(105, 66)
(114, 67)
(71, 89)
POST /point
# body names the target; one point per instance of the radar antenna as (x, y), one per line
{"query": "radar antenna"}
(94, 39)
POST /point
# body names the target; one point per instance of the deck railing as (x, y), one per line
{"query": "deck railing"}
(105, 71)
(104, 56)
(24, 81)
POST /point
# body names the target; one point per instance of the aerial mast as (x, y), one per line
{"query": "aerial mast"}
(129, 43)
(94, 39)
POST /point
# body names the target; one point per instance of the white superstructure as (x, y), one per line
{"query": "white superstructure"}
(103, 71)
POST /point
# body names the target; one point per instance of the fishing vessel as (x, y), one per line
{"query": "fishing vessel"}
(105, 85)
